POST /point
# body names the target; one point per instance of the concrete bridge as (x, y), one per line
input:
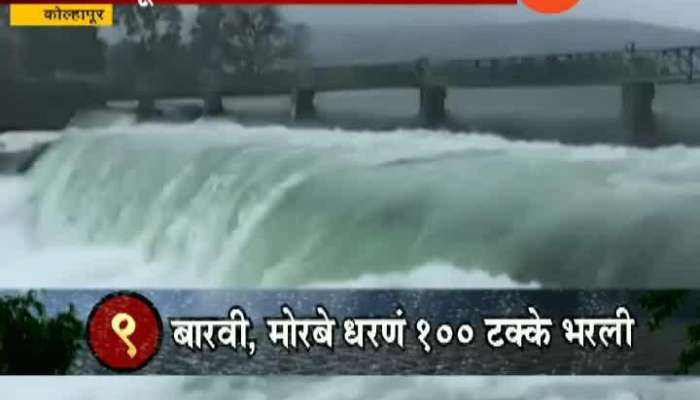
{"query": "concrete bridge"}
(636, 71)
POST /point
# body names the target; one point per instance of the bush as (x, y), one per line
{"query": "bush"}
(33, 343)
(662, 305)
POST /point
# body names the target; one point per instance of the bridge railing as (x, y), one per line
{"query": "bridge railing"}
(583, 68)
(667, 65)
(678, 64)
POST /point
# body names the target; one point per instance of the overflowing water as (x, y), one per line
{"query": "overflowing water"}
(214, 204)
(231, 206)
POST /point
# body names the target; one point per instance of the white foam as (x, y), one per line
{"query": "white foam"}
(29, 264)
(18, 141)
(32, 264)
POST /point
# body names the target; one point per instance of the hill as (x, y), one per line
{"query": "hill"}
(346, 44)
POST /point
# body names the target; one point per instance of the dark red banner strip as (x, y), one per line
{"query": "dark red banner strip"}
(275, 2)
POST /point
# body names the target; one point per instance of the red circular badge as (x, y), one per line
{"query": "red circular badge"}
(124, 331)
(551, 6)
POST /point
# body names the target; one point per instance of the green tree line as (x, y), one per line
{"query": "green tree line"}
(154, 49)
(33, 342)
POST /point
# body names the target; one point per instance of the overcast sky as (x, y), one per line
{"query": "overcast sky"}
(677, 13)
(680, 13)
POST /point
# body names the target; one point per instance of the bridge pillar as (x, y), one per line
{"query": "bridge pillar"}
(213, 105)
(637, 111)
(432, 104)
(146, 106)
(303, 104)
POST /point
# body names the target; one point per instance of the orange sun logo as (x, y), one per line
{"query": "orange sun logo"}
(551, 6)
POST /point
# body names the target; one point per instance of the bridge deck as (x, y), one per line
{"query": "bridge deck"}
(660, 66)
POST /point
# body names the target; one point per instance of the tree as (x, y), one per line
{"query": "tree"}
(207, 35)
(662, 305)
(241, 39)
(256, 38)
(6, 45)
(45, 51)
(31, 342)
(155, 32)
(208, 46)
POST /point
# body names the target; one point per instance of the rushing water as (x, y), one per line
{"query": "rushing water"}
(271, 207)
(213, 204)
